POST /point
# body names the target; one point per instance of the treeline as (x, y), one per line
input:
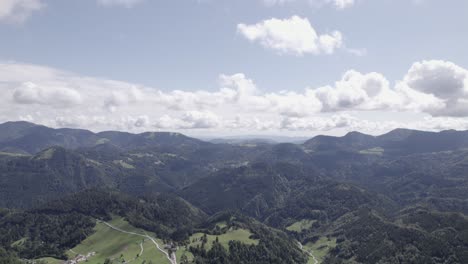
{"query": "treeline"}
(418, 236)
(168, 216)
(33, 235)
(274, 247)
(248, 254)
(8, 257)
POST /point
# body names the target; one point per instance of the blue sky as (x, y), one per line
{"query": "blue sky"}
(128, 51)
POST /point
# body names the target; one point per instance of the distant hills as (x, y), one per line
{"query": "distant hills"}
(398, 141)
(28, 138)
(24, 137)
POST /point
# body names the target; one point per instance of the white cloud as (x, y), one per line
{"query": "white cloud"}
(347, 122)
(276, 2)
(18, 11)
(435, 89)
(30, 93)
(359, 92)
(445, 81)
(189, 120)
(239, 83)
(342, 4)
(338, 4)
(198, 119)
(294, 35)
(316, 123)
(124, 3)
(119, 98)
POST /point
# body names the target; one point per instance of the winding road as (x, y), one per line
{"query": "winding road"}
(172, 258)
(141, 249)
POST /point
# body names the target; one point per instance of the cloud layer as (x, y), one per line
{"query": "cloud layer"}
(435, 89)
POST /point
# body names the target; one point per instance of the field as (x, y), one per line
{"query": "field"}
(51, 260)
(373, 151)
(242, 235)
(320, 248)
(118, 246)
(182, 251)
(301, 225)
(12, 154)
(47, 154)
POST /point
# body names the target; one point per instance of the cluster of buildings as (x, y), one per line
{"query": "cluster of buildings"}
(80, 258)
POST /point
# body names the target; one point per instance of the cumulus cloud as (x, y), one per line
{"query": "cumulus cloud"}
(293, 35)
(358, 91)
(124, 3)
(239, 83)
(436, 90)
(443, 80)
(18, 11)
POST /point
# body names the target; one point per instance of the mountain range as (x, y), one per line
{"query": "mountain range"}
(401, 197)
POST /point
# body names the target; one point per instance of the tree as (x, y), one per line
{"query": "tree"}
(184, 259)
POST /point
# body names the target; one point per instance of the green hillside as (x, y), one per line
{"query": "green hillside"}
(117, 246)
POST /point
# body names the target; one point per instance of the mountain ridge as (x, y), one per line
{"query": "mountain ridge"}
(22, 137)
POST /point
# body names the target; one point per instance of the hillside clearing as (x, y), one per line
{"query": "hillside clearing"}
(242, 235)
(320, 248)
(301, 225)
(115, 245)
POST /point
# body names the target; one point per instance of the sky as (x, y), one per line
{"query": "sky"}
(238, 67)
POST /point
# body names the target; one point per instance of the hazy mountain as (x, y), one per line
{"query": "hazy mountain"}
(396, 142)
(23, 137)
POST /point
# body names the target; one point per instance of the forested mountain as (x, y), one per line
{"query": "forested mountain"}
(55, 171)
(401, 197)
(24, 137)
